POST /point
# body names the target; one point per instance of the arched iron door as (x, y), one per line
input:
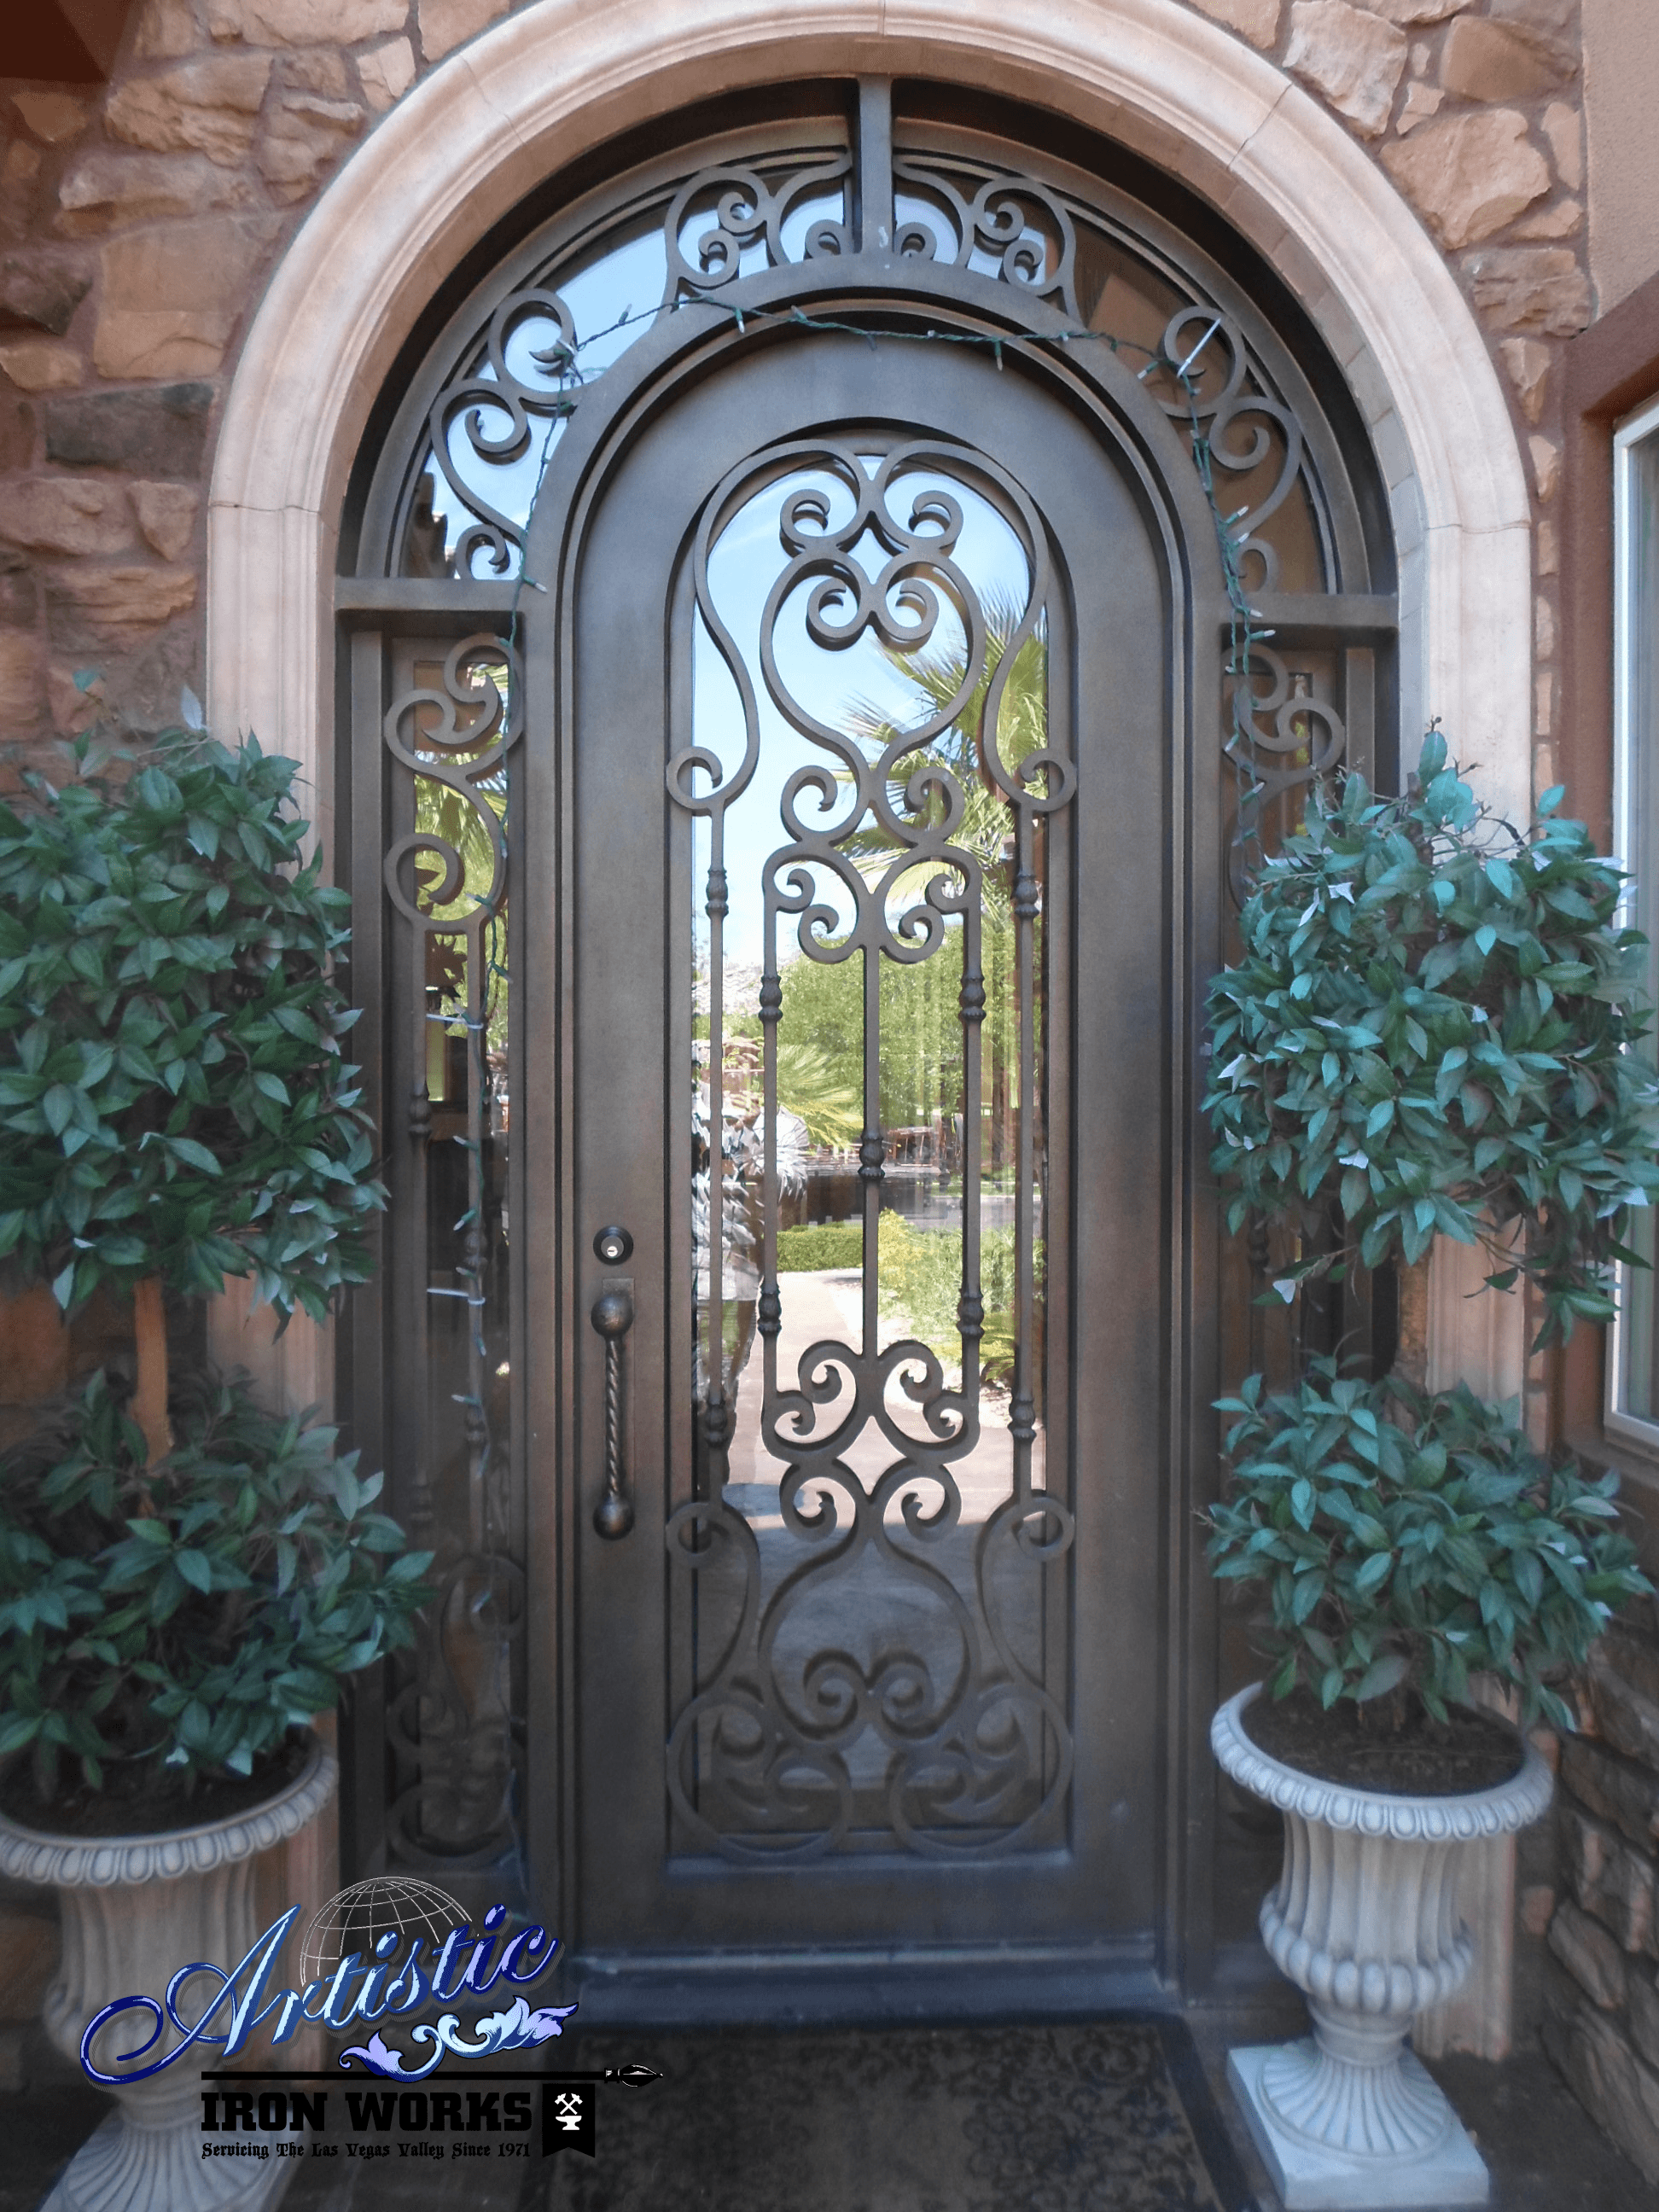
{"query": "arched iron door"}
(869, 862)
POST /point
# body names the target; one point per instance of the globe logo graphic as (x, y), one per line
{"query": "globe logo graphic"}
(355, 1919)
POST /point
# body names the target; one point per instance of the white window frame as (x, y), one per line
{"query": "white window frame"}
(1634, 431)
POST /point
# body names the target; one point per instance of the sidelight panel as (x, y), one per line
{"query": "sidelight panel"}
(449, 740)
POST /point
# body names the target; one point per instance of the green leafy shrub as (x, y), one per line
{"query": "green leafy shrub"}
(1429, 1031)
(820, 1244)
(174, 1101)
(922, 1282)
(921, 1279)
(185, 1615)
(1404, 1560)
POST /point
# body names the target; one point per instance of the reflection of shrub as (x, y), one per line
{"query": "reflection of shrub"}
(824, 1245)
(921, 1280)
(997, 1347)
(810, 1085)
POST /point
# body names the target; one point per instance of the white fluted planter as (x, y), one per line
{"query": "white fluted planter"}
(135, 1910)
(1364, 1921)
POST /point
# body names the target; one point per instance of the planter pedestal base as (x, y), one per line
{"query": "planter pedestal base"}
(121, 2166)
(1364, 1921)
(1313, 2177)
(136, 1910)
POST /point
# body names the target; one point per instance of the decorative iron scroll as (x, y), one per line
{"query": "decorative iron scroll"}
(494, 413)
(1225, 400)
(748, 212)
(1291, 716)
(1025, 229)
(493, 422)
(491, 393)
(452, 1726)
(758, 1756)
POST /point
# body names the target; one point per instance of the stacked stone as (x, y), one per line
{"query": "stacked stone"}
(1601, 2014)
(139, 222)
(1476, 113)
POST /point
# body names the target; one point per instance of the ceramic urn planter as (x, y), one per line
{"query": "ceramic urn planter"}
(135, 1910)
(1364, 1921)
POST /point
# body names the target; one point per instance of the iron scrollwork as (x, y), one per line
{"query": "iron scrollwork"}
(486, 419)
(490, 394)
(1025, 229)
(977, 1755)
(452, 1724)
(1275, 721)
(1241, 424)
(748, 211)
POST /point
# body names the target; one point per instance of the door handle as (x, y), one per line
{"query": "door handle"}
(612, 1317)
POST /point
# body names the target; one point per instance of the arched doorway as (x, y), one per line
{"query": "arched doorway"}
(744, 497)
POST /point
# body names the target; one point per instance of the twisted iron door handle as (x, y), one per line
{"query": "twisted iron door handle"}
(612, 1317)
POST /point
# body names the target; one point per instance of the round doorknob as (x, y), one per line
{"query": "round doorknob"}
(613, 1314)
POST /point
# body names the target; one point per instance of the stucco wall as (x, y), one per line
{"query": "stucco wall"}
(139, 225)
(1621, 109)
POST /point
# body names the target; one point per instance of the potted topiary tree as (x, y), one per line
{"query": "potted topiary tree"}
(1402, 1543)
(185, 1577)
(1429, 1033)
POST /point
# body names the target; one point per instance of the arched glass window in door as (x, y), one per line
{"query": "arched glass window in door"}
(792, 782)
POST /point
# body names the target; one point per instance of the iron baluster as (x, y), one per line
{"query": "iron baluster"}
(970, 1318)
(874, 174)
(1022, 1424)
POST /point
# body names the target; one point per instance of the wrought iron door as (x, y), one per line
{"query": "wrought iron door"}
(792, 791)
(871, 737)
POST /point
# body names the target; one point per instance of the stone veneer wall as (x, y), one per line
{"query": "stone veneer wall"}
(1601, 2010)
(139, 223)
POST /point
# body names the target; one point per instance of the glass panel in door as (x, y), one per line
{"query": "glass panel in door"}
(870, 1624)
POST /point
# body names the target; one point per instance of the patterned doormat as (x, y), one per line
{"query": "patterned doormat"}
(1102, 2116)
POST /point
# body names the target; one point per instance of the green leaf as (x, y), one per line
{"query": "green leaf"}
(192, 1154)
(1382, 1675)
(1373, 1574)
(1310, 1591)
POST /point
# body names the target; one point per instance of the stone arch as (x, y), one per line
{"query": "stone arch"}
(560, 77)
